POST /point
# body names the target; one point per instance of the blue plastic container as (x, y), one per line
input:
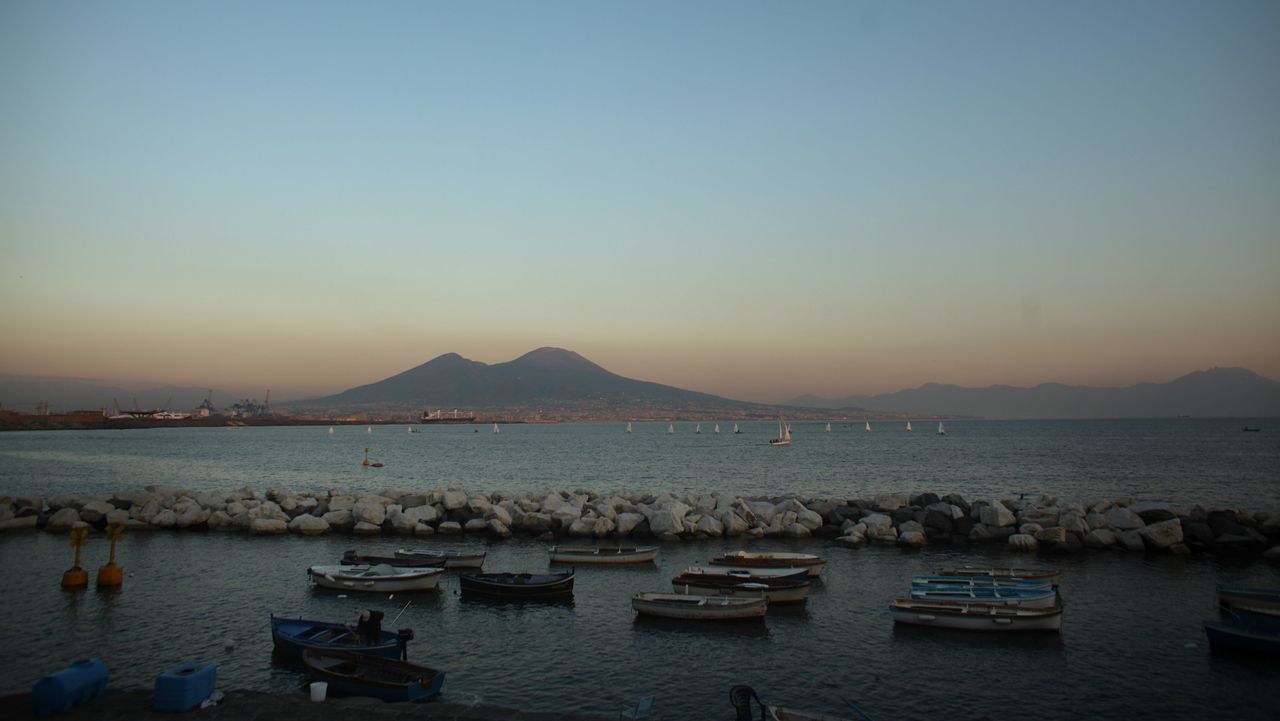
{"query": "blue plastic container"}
(78, 683)
(182, 688)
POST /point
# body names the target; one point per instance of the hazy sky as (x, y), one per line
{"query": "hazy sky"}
(755, 199)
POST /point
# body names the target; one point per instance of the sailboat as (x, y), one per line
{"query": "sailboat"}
(941, 431)
(908, 426)
(717, 430)
(671, 428)
(735, 428)
(697, 428)
(784, 434)
(628, 427)
(495, 427)
(411, 429)
(868, 426)
(369, 430)
(330, 430)
(828, 428)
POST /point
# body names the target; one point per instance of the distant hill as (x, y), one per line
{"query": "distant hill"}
(22, 395)
(1217, 392)
(552, 376)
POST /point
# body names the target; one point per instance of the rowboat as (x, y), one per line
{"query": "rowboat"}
(1229, 596)
(798, 574)
(292, 636)
(976, 616)
(1255, 618)
(354, 674)
(1051, 574)
(518, 586)
(981, 581)
(380, 578)
(701, 608)
(353, 558)
(991, 595)
(776, 590)
(750, 559)
(1224, 636)
(450, 559)
(783, 713)
(608, 555)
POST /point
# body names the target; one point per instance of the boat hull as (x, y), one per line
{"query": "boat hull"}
(1261, 598)
(979, 582)
(518, 586)
(743, 559)
(995, 596)
(603, 556)
(1225, 636)
(353, 578)
(794, 574)
(1051, 574)
(351, 558)
(698, 608)
(976, 617)
(774, 594)
(448, 559)
(349, 674)
(291, 636)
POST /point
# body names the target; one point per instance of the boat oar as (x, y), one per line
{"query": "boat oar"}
(398, 615)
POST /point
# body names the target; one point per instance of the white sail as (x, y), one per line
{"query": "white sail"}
(868, 426)
(495, 427)
(697, 428)
(908, 426)
(330, 430)
(735, 428)
(784, 434)
(717, 429)
(941, 430)
(671, 428)
(828, 428)
(628, 427)
(369, 430)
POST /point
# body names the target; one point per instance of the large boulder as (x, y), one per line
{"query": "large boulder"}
(1163, 535)
(1074, 523)
(309, 525)
(475, 525)
(911, 539)
(666, 521)
(1054, 535)
(1100, 538)
(983, 532)
(449, 528)
(810, 519)
(63, 520)
(340, 520)
(455, 498)
(499, 513)
(796, 530)
(95, 511)
(192, 517)
(534, 522)
(1022, 542)
(996, 514)
(1123, 519)
(165, 519)
(369, 511)
(1224, 523)
(1130, 541)
(888, 502)
(363, 528)
(1154, 512)
(337, 503)
(626, 522)
(497, 528)
(266, 526)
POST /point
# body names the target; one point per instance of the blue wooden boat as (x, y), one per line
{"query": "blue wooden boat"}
(1229, 596)
(517, 586)
(998, 595)
(358, 674)
(292, 636)
(1227, 636)
(981, 581)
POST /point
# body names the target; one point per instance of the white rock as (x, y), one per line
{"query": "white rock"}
(119, 516)
(602, 527)
(627, 522)
(63, 520)
(19, 523)
(372, 513)
(479, 505)
(911, 538)
(582, 527)
(666, 521)
(363, 528)
(217, 520)
(710, 526)
(1023, 542)
(1131, 541)
(1100, 538)
(1056, 534)
(892, 501)
(1030, 529)
(996, 514)
(811, 520)
(164, 519)
(876, 523)
(341, 520)
(475, 525)
(499, 514)
(336, 503)
(266, 526)
(449, 528)
(309, 525)
(497, 528)
(1160, 536)
(193, 517)
(1122, 519)
(796, 530)
(1074, 523)
(454, 499)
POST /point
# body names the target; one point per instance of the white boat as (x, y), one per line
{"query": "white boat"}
(908, 426)
(606, 555)
(966, 581)
(1052, 574)
(976, 616)
(941, 430)
(828, 428)
(447, 559)
(369, 430)
(495, 427)
(698, 429)
(330, 430)
(381, 578)
(671, 428)
(735, 428)
(717, 430)
(990, 595)
(868, 426)
(699, 608)
(752, 559)
(776, 590)
(628, 428)
(410, 429)
(784, 434)
(799, 574)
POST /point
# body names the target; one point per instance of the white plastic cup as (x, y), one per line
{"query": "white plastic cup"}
(318, 690)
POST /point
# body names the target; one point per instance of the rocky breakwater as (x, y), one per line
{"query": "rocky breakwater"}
(1044, 524)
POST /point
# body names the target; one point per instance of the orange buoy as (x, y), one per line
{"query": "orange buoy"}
(366, 456)
(76, 577)
(111, 575)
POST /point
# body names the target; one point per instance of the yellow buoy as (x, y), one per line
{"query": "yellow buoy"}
(76, 577)
(111, 575)
(366, 456)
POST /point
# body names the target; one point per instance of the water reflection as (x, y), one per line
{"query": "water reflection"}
(744, 628)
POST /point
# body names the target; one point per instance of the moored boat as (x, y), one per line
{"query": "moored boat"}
(449, 559)
(291, 636)
(976, 616)
(1259, 598)
(607, 555)
(776, 590)
(697, 607)
(991, 595)
(776, 559)
(1230, 636)
(943, 582)
(798, 574)
(517, 586)
(353, 558)
(380, 578)
(354, 674)
(1051, 574)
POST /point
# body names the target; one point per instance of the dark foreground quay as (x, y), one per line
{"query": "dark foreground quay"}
(135, 705)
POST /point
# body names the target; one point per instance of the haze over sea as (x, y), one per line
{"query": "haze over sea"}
(1131, 645)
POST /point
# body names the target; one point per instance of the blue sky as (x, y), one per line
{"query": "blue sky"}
(756, 199)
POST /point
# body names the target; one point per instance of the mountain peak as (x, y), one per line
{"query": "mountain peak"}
(550, 358)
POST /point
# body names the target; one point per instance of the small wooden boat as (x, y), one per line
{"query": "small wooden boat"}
(992, 595)
(1051, 574)
(699, 608)
(1265, 620)
(518, 586)
(380, 578)
(783, 713)
(750, 559)
(798, 574)
(352, 558)
(981, 581)
(1229, 596)
(291, 636)
(775, 590)
(976, 616)
(607, 555)
(354, 674)
(447, 559)
(1228, 636)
